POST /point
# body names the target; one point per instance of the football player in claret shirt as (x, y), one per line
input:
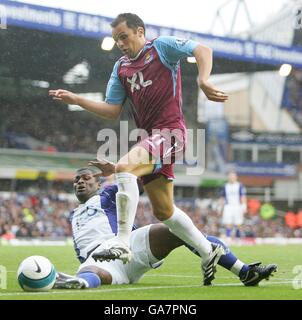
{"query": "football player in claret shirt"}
(148, 75)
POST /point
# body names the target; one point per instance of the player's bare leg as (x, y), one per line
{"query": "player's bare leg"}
(160, 192)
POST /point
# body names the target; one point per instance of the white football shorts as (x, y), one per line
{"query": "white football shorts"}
(233, 215)
(141, 262)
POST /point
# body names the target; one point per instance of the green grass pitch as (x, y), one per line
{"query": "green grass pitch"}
(179, 278)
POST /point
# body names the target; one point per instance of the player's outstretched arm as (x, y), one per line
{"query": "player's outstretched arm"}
(203, 56)
(102, 109)
(107, 168)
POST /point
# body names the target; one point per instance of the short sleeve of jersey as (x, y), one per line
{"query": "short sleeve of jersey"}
(222, 192)
(115, 92)
(172, 49)
(108, 197)
(242, 190)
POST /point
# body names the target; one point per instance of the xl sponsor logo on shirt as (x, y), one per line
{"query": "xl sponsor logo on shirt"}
(141, 83)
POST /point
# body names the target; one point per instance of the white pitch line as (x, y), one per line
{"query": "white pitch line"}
(100, 291)
(262, 284)
(266, 284)
(135, 289)
(171, 275)
(232, 277)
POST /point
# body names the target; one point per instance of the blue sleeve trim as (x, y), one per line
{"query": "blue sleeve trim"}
(222, 192)
(108, 197)
(172, 49)
(242, 190)
(70, 217)
(115, 92)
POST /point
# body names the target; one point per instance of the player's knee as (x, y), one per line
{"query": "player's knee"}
(163, 213)
(159, 228)
(92, 269)
(104, 275)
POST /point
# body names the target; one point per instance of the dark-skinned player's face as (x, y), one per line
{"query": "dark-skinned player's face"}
(129, 41)
(85, 185)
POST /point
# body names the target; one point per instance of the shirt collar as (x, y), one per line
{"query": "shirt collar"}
(95, 200)
(138, 55)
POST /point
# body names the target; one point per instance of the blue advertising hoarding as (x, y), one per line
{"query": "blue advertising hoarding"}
(266, 138)
(87, 25)
(263, 169)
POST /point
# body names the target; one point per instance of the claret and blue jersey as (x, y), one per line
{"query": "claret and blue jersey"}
(152, 82)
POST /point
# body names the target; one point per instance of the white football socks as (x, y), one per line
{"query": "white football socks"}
(126, 201)
(183, 227)
(237, 266)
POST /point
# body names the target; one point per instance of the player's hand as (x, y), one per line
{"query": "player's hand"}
(212, 93)
(107, 167)
(64, 96)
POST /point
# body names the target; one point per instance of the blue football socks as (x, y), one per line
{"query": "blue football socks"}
(92, 279)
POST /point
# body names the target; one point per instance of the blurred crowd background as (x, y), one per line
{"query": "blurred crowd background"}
(257, 132)
(47, 215)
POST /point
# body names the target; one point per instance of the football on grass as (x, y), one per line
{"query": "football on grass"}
(36, 273)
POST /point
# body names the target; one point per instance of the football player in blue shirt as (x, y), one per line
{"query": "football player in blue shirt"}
(95, 221)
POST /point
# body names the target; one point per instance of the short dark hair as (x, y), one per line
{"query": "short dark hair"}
(133, 21)
(91, 169)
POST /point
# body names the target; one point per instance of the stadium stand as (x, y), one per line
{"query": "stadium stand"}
(30, 120)
(46, 215)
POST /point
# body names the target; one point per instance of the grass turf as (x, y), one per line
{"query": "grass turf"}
(179, 278)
